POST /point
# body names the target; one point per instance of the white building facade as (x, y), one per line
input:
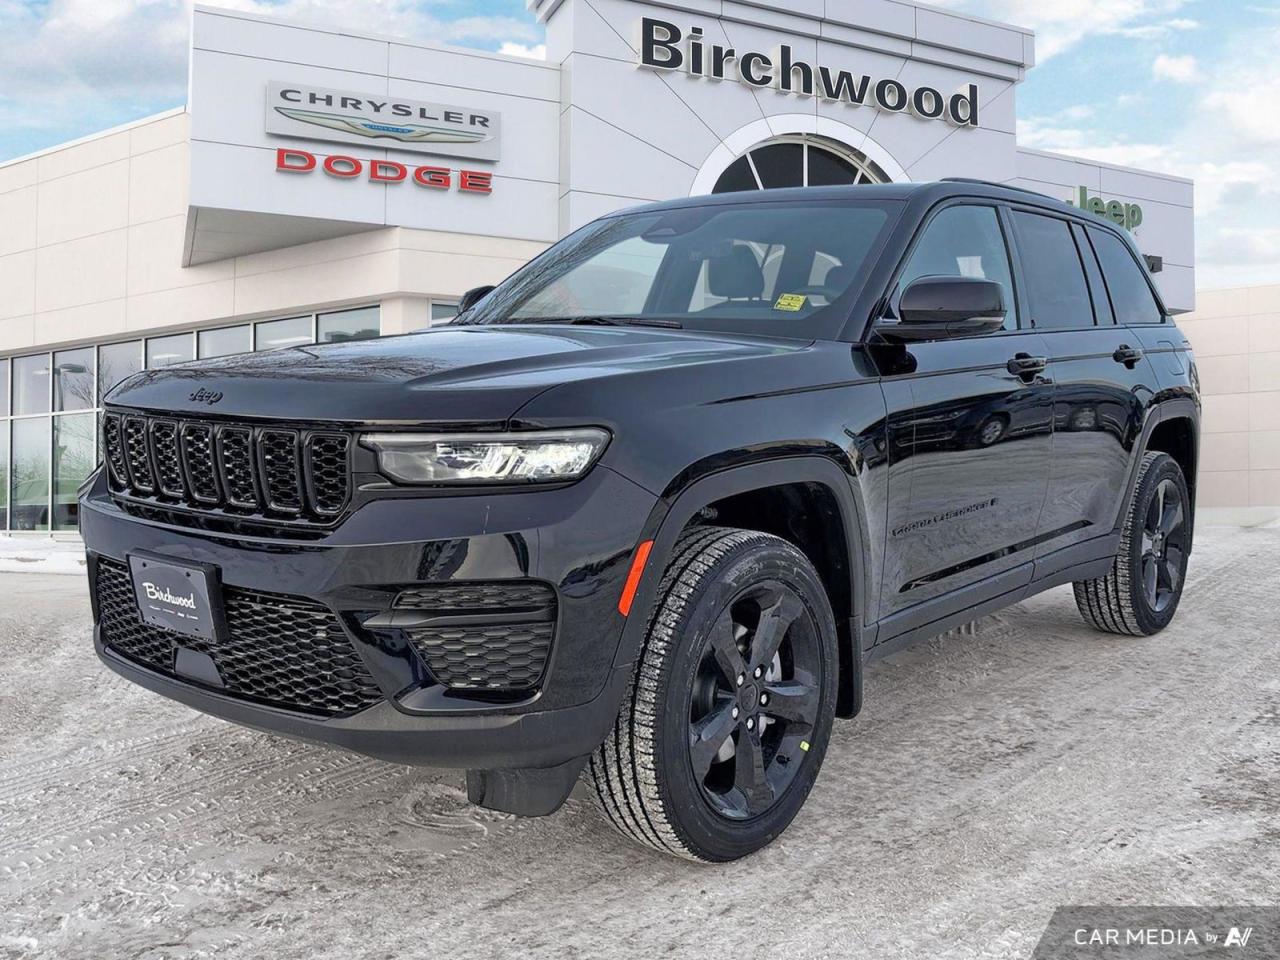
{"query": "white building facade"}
(323, 185)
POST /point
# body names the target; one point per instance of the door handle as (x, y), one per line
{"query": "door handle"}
(1127, 355)
(1026, 366)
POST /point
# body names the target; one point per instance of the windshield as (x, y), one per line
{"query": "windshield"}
(776, 268)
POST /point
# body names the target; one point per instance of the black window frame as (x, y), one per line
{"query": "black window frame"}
(893, 293)
(1070, 222)
(1104, 313)
(1142, 269)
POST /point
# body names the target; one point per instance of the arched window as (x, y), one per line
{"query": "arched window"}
(800, 160)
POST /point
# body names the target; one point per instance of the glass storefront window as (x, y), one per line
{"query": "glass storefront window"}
(441, 311)
(360, 324)
(50, 404)
(223, 342)
(29, 484)
(274, 334)
(116, 362)
(73, 379)
(166, 351)
(4, 474)
(73, 461)
(31, 384)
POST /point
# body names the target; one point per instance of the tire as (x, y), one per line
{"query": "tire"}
(679, 714)
(1123, 601)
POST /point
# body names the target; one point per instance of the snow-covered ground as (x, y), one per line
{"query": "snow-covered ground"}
(41, 555)
(993, 776)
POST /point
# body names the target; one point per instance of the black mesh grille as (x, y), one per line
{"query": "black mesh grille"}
(477, 595)
(327, 455)
(137, 455)
(197, 450)
(230, 469)
(235, 448)
(113, 447)
(282, 651)
(506, 656)
(168, 464)
(281, 476)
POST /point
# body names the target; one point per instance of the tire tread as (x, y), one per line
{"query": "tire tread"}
(1107, 603)
(624, 769)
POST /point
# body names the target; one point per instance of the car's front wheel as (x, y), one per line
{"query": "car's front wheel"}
(724, 729)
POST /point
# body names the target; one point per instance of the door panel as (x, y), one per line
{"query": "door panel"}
(1099, 409)
(973, 452)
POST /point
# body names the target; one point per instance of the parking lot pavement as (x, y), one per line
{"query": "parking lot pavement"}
(992, 777)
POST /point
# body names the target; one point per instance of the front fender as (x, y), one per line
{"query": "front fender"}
(680, 505)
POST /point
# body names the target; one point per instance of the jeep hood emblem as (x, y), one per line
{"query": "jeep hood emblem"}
(205, 396)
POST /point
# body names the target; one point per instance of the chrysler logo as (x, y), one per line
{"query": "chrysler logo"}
(205, 396)
(405, 133)
(302, 111)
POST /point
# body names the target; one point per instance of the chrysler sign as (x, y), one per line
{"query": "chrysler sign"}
(379, 120)
(664, 46)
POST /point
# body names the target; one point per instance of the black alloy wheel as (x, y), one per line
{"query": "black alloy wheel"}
(1140, 593)
(754, 701)
(723, 731)
(1163, 546)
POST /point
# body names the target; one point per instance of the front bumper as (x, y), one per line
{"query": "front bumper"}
(578, 539)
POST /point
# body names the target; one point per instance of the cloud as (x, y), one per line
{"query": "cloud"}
(71, 67)
(1176, 69)
(1226, 142)
(538, 52)
(1062, 24)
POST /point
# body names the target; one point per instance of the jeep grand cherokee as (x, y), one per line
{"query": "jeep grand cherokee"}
(644, 512)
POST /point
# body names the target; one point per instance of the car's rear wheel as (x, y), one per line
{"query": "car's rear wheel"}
(1140, 594)
(724, 730)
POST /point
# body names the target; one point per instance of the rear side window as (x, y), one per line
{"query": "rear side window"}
(1130, 293)
(1054, 275)
(964, 241)
(1098, 289)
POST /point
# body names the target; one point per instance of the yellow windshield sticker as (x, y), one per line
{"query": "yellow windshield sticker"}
(791, 302)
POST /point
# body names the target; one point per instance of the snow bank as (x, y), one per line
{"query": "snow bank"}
(41, 555)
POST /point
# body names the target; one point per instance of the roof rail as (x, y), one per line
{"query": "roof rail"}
(993, 183)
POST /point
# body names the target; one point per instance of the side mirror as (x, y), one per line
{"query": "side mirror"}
(473, 296)
(944, 308)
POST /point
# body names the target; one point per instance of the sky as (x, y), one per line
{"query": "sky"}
(1187, 87)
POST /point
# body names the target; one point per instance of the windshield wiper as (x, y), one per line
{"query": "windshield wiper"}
(604, 321)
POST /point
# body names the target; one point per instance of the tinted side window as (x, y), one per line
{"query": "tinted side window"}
(964, 241)
(1051, 267)
(1097, 289)
(1130, 294)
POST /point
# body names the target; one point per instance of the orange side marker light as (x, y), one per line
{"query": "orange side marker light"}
(633, 578)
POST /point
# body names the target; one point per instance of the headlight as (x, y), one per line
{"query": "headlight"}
(547, 456)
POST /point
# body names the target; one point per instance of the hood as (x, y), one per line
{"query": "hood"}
(453, 375)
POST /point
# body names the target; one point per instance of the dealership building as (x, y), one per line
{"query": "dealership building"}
(322, 184)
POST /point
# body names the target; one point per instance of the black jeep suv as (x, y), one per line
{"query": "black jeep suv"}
(644, 511)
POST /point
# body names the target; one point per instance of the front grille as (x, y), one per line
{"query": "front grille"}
(462, 652)
(281, 651)
(267, 473)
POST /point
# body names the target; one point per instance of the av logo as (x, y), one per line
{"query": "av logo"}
(1237, 937)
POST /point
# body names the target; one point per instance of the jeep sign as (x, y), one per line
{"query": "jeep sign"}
(378, 120)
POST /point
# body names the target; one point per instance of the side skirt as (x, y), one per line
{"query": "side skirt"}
(1081, 561)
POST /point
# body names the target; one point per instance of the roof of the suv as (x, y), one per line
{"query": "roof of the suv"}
(930, 192)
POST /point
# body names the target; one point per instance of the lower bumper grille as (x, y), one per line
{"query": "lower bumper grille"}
(281, 651)
(463, 652)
